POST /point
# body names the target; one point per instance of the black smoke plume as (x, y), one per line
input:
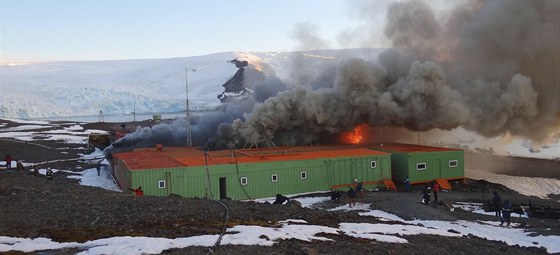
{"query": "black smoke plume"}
(489, 66)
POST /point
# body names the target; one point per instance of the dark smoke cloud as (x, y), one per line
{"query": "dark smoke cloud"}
(204, 125)
(489, 66)
(269, 88)
(203, 128)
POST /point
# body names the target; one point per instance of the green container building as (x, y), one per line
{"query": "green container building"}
(424, 163)
(249, 174)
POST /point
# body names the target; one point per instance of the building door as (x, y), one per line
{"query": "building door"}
(168, 187)
(223, 188)
(438, 169)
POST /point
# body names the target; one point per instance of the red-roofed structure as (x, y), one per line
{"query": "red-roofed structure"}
(249, 173)
(265, 172)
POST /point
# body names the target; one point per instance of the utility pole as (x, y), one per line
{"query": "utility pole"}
(134, 109)
(207, 174)
(189, 135)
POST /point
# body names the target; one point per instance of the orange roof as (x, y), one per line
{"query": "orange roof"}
(171, 157)
(401, 147)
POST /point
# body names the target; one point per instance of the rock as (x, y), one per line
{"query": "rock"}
(264, 237)
(293, 203)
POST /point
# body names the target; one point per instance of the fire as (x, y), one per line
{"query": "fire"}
(355, 136)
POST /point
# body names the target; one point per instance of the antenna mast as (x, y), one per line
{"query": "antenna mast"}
(189, 135)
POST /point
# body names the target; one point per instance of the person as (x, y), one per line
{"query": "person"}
(497, 204)
(138, 192)
(98, 168)
(426, 194)
(351, 196)
(49, 174)
(35, 170)
(407, 184)
(280, 199)
(360, 189)
(8, 160)
(435, 190)
(19, 166)
(506, 213)
(335, 195)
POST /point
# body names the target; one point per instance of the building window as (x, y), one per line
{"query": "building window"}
(453, 163)
(274, 177)
(421, 166)
(303, 175)
(161, 184)
(373, 164)
(243, 181)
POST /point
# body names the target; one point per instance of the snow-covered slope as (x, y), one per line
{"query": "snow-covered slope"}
(155, 85)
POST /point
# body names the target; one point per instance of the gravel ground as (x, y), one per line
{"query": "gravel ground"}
(65, 211)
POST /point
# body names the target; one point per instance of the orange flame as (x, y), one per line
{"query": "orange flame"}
(355, 136)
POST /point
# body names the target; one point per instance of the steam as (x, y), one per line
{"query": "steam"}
(488, 66)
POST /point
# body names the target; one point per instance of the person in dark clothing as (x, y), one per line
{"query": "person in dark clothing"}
(497, 204)
(506, 213)
(49, 174)
(407, 184)
(35, 170)
(280, 199)
(351, 196)
(335, 195)
(426, 194)
(98, 168)
(19, 166)
(360, 189)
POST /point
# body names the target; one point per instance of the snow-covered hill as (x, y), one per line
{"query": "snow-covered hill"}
(155, 85)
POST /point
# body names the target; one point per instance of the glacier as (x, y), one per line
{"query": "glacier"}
(117, 87)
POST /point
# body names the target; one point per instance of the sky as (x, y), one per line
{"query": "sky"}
(51, 30)
(393, 232)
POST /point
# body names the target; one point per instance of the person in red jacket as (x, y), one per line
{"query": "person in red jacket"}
(8, 160)
(435, 190)
(138, 192)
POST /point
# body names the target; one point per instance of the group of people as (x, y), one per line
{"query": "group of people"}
(435, 188)
(9, 159)
(502, 210)
(353, 191)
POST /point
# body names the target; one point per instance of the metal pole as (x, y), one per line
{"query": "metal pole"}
(188, 117)
(207, 174)
(134, 112)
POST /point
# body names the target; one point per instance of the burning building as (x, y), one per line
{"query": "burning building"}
(482, 67)
(249, 173)
(257, 173)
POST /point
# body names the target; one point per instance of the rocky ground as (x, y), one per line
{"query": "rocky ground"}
(65, 211)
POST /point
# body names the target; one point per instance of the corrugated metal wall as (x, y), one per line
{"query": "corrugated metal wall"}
(320, 174)
(437, 166)
(344, 171)
(260, 183)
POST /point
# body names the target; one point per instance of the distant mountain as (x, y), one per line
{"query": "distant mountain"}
(81, 88)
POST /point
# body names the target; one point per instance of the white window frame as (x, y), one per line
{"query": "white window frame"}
(160, 186)
(455, 163)
(421, 169)
(274, 178)
(373, 164)
(303, 175)
(244, 180)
